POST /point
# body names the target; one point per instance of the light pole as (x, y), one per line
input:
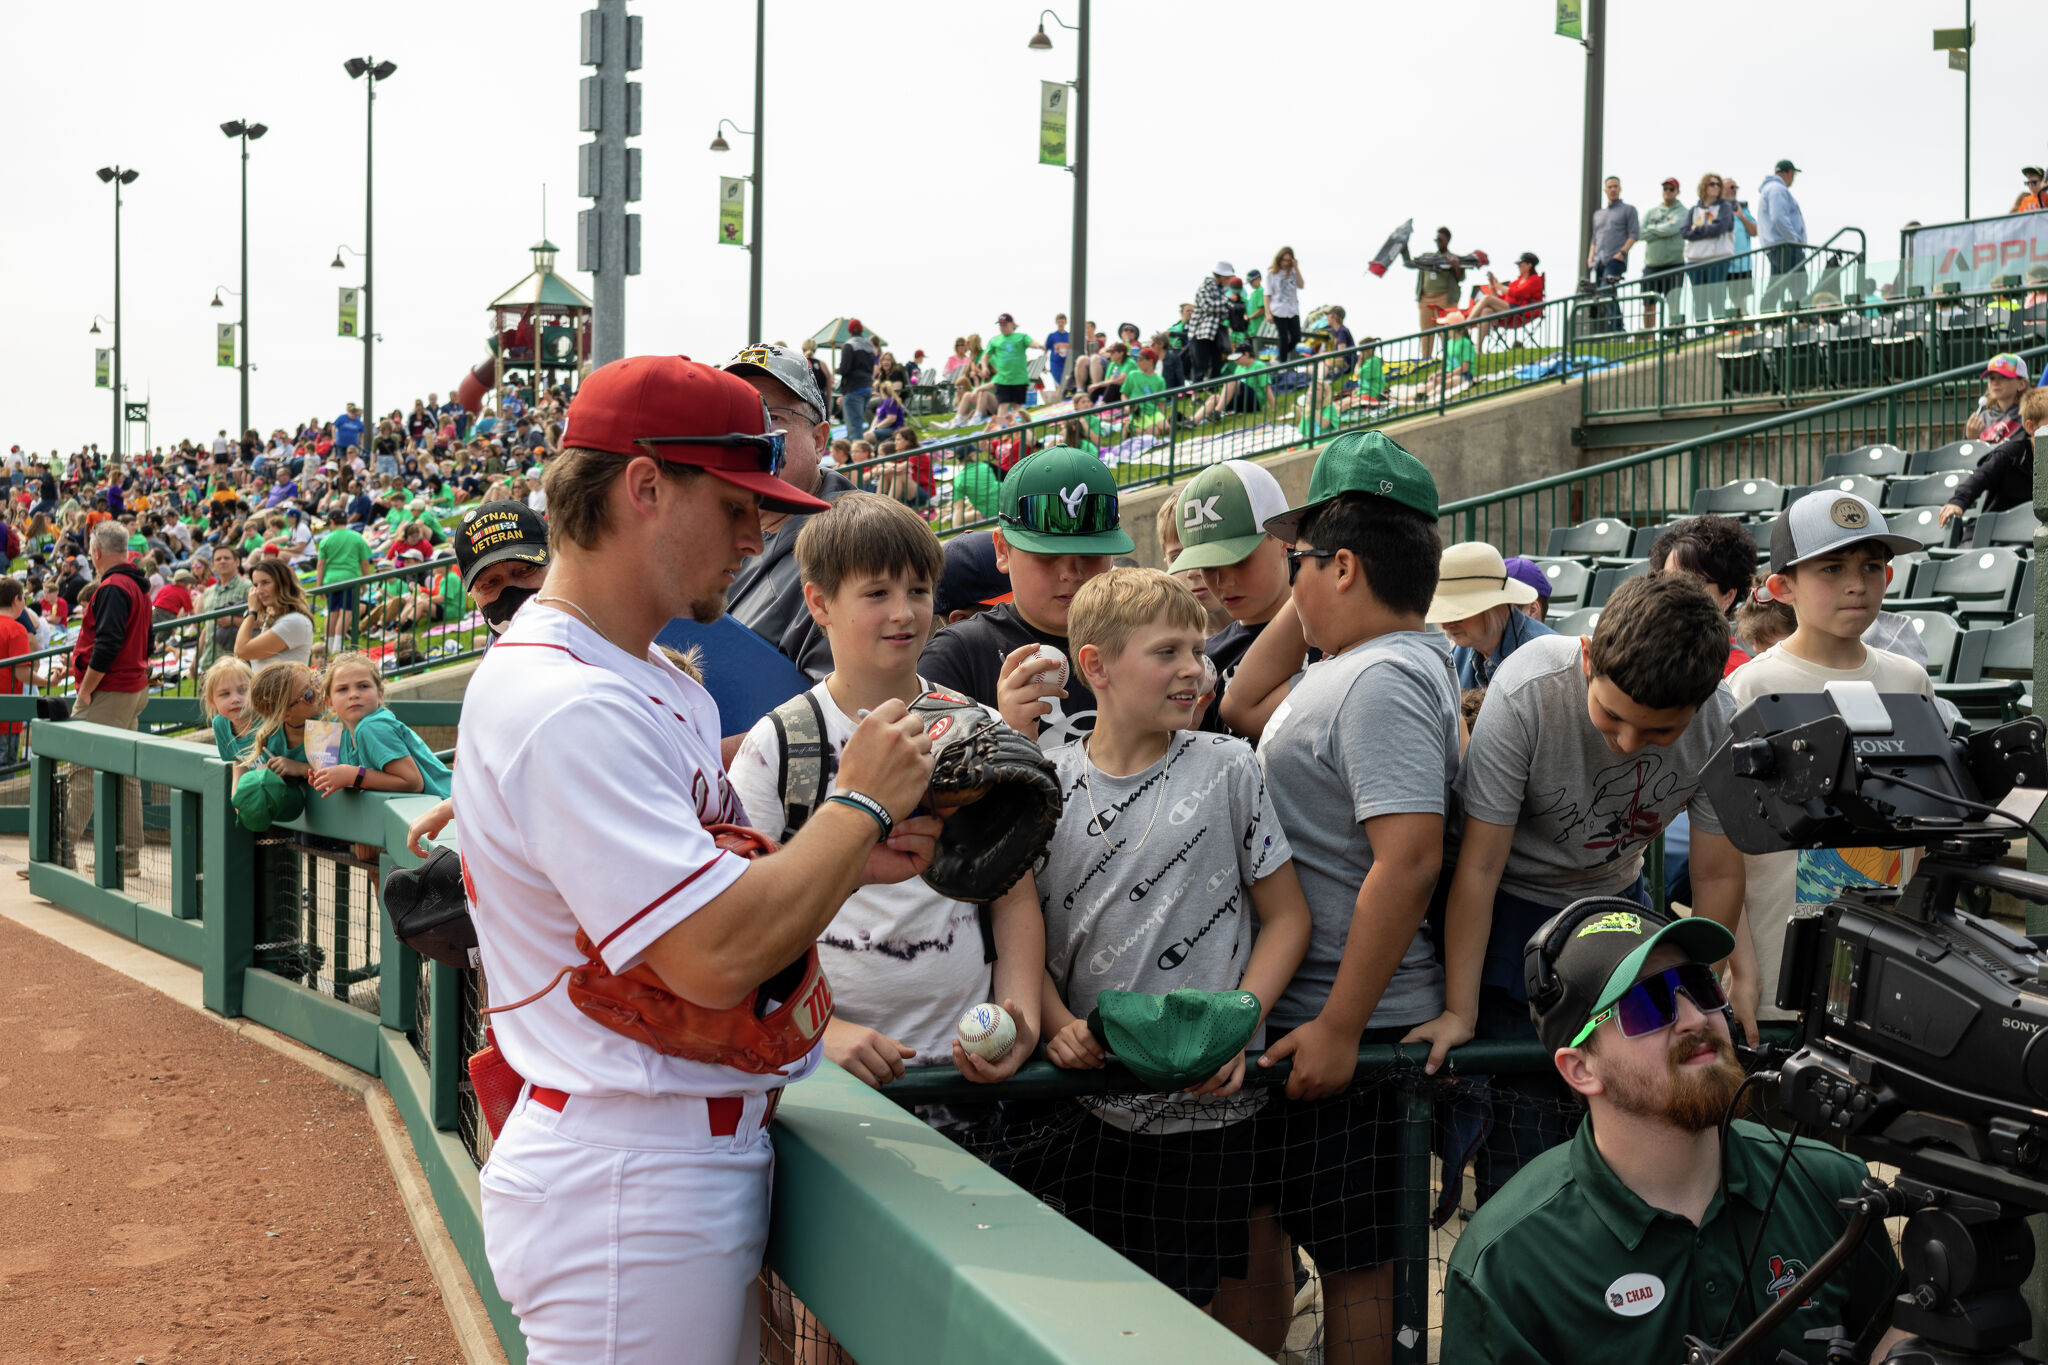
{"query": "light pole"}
(117, 177)
(1077, 304)
(1591, 178)
(753, 245)
(247, 132)
(357, 68)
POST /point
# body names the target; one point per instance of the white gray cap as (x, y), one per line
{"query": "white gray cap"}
(786, 367)
(1827, 521)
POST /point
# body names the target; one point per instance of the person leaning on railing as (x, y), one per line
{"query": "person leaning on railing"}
(2005, 477)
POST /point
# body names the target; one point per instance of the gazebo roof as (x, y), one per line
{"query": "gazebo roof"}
(543, 287)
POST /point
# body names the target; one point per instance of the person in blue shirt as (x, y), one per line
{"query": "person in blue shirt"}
(1477, 604)
(1781, 231)
(348, 429)
(1055, 354)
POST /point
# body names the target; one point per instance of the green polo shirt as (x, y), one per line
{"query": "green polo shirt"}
(1568, 1265)
(1138, 384)
(1010, 357)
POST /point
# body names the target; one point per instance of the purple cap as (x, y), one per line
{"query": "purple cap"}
(1530, 572)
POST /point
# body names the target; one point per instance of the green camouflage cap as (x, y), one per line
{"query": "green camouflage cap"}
(1178, 1039)
(1368, 462)
(262, 798)
(1222, 514)
(1062, 501)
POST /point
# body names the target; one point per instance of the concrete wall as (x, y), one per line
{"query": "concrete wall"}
(1471, 451)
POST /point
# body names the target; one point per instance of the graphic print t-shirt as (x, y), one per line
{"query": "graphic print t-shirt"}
(967, 657)
(1146, 887)
(902, 959)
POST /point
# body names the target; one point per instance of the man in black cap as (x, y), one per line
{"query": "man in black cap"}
(1647, 1227)
(970, 583)
(768, 597)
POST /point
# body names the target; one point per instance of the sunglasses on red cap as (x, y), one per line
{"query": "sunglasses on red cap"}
(768, 449)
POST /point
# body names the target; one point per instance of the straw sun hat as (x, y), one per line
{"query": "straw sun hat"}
(1474, 579)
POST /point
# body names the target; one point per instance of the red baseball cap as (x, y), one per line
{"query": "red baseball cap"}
(667, 406)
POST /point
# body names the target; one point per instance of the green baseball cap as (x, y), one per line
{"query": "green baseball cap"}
(1178, 1039)
(1062, 501)
(262, 798)
(1222, 514)
(1596, 949)
(1368, 462)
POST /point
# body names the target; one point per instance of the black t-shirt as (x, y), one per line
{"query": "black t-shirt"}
(1226, 649)
(967, 657)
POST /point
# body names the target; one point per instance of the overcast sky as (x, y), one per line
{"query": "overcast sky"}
(901, 165)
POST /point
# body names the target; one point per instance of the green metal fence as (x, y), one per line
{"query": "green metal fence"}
(1853, 333)
(1272, 407)
(1788, 449)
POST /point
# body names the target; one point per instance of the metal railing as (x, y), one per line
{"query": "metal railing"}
(1657, 485)
(1849, 338)
(1305, 400)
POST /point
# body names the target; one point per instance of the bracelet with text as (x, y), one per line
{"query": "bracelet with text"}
(860, 801)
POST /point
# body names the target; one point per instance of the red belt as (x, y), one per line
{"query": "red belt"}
(724, 1112)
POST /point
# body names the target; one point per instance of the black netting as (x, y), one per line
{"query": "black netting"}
(421, 1033)
(476, 1135)
(316, 918)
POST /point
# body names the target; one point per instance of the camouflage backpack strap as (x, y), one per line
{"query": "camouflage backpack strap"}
(800, 774)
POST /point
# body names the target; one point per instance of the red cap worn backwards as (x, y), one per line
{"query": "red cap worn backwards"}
(673, 408)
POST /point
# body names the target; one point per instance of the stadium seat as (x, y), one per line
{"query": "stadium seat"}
(1985, 584)
(1875, 462)
(1580, 622)
(1929, 490)
(1992, 677)
(1601, 536)
(1939, 635)
(1954, 455)
(1569, 580)
(1862, 485)
(1922, 524)
(1646, 536)
(1740, 498)
(2015, 526)
(1612, 576)
(1903, 568)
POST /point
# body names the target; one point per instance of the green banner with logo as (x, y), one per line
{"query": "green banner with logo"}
(1568, 25)
(732, 209)
(1053, 99)
(348, 311)
(224, 345)
(102, 368)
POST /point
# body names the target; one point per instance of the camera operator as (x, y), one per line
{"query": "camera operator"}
(1646, 1227)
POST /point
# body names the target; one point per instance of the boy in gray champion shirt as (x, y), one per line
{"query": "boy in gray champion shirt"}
(1360, 758)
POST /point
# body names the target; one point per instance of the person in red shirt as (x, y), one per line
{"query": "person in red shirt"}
(14, 678)
(50, 603)
(174, 597)
(412, 535)
(1720, 554)
(1506, 305)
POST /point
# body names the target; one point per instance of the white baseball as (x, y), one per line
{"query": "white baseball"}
(1208, 675)
(987, 1031)
(1055, 670)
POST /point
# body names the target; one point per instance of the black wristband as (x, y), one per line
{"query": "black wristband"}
(867, 805)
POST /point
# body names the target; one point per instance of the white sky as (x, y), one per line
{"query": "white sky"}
(901, 164)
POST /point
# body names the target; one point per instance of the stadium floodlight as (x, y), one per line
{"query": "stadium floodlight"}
(355, 66)
(105, 173)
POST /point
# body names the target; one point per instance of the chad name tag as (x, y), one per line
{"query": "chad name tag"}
(1635, 1294)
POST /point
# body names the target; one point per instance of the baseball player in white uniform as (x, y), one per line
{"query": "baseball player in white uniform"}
(625, 1202)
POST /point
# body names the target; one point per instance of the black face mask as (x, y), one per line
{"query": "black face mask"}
(498, 615)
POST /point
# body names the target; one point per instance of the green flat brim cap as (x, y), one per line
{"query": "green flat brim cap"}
(1368, 462)
(1069, 475)
(1178, 1039)
(262, 798)
(1604, 956)
(1221, 514)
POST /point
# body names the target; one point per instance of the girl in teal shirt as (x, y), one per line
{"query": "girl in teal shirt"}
(224, 701)
(379, 752)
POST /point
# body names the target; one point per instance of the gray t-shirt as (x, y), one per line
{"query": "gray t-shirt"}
(1373, 731)
(1170, 908)
(1612, 225)
(1582, 813)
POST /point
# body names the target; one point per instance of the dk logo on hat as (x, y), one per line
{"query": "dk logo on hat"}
(1222, 514)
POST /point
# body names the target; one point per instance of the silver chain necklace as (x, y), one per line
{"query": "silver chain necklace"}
(1101, 832)
(549, 597)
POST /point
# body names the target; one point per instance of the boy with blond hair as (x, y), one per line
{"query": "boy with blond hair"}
(1168, 872)
(904, 961)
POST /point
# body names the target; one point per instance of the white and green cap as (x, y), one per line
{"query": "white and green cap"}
(1222, 514)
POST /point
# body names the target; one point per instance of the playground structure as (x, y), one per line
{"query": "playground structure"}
(541, 327)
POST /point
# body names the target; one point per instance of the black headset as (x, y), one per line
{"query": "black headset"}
(1539, 958)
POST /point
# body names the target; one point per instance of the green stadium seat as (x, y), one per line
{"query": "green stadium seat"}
(2013, 527)
(1922, 524)
(1985, 583)
(1929, 490)
(1876, 462)
(1939, 606)
(1739, 498)
(1954, 455)
(1646, 536)
(1903, 568)
(1939, 635)
(1992, 678)
(1612, 576)
(1601, 536)
(1569, 579)
(1580, 622)
(1862, 485)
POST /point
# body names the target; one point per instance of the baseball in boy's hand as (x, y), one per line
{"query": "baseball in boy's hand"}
(988, 1032)
(1051, 667)
(1208, 676)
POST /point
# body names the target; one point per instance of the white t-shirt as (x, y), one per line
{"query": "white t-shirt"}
(538, 500)
(1282, 300)
(586, 780)
(1774, 883)
(902, 959)
(295, 628)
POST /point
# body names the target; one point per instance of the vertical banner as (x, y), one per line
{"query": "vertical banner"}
(732, 207)
(1052, 123)
(1568, 25)
(348, 312)
(224, 345)
(102, 368)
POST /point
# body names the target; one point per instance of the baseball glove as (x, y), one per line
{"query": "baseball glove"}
(1002, 793)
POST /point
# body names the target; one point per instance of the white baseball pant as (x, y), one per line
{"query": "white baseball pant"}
(624, 1232)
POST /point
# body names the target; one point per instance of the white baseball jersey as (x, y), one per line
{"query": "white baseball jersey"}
(584, 785)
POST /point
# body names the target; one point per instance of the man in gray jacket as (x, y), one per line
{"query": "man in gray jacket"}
(1663, 251)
